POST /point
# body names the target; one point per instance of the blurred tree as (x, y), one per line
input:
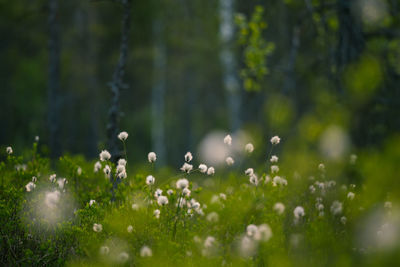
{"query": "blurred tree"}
(117, 83)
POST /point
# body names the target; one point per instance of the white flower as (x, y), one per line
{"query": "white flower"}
(104, 155)
(299, 212)
(188, 157)
(222, 196)
(97, 166)
(123, 257)
(267, 179)
(229, 161)
(274, 159)
(34, 179)
(228, 140)
(279, 180)
(162, 200)
(213, 217)
(274, 168)
(120, 168)
(249, 172)
(170, 192)
(91, 202)
(107, 171)
(104, 250)
(275, 140)
(152, 157)
(97, 227)
(203, 168)
(251, 230)
(79, 171)
(52, 178)
(62, 182)
(336, 207)
(30, 186)
(195, 205)
(150, 180)
(186, 192)
(279, 208)
(122, 175)
(135, 206)
(122, 162)
(122, 136)
(211, 171)
(158, 193)
(156, 213)
(264, 233)
(182, 183)
(36, 138)
(253, 179)
(129, 229)
(186, 167)
(9, 150)
(145, 251)
(249, 148)
(343, 220)
(350, 195)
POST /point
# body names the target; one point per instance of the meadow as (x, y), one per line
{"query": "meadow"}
(242, 213)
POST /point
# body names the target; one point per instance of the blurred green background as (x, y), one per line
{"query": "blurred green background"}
(306, 70)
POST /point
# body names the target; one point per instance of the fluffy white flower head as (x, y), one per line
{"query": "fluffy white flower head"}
(9, 150)
(228, 140)
(186, 167)
(152, 157)
(30, 186)
(122, 136)
(274, 159)
(104, 155)
(249, 171)
(229, 161)
(249, 148)
(182, 184)
(145, 251)
(275, 140)
(211, 171)
(203, 168)
(299, 212)
(97, 166)
(279, 208)
(188, 157)
(97, 227)
(150, 180)
(122, 162)
(162, 200)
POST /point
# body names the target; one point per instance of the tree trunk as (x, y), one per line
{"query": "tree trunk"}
(158, 91)
(351, 40)
(228, 62)
(53, 94)
(117, 83)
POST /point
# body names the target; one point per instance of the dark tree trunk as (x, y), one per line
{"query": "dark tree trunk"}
(158, 91)
(53, 122)
(117, 83)
(351, 40)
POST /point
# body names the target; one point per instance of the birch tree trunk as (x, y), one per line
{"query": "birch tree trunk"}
(228, 62)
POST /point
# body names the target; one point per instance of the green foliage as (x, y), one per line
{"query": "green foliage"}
(255, 50)
(56, 225)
